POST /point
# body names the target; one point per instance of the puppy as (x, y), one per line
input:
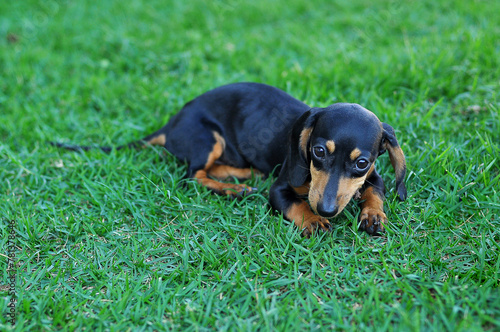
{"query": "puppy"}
(326, 155)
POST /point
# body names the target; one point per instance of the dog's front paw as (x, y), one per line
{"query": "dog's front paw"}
(312, 225)
(372, 220)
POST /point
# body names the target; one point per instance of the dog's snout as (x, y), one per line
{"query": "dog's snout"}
(327, 210)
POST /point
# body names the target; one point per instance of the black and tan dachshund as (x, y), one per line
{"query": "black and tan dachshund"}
(325, 154)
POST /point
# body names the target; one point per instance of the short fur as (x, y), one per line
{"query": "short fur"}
(326, 153)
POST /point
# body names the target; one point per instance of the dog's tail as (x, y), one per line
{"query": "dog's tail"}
(80, 148)
(156, 138)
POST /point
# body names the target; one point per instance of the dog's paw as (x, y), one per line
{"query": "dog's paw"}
(372, 221)
(238, 190)
(314, 224)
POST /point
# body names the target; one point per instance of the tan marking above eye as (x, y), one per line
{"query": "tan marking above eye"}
(355, 154)
(330, 145)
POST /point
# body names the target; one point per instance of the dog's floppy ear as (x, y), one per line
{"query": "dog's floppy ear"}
(390, 143)
(298, 158)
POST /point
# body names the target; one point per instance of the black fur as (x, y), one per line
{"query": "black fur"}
(262, 126)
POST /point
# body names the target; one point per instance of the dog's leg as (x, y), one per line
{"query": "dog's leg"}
(286, 199)
(305, 219)
(201, 174)
(223, 172)
(372, 217)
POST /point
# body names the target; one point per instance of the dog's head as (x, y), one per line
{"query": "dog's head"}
(335, 148)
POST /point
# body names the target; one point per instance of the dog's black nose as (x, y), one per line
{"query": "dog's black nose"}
(327, 211)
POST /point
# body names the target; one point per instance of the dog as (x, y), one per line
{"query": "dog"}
(325, 154)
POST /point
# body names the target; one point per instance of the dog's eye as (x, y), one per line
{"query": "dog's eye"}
(319, 151)
(362, 164)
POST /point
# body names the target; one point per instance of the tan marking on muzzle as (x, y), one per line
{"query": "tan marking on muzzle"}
(348, 187)
(319, 180)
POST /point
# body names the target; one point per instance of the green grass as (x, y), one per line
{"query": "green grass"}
(122, 242)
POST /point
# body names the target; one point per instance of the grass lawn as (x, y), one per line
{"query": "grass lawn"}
(122, 241)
